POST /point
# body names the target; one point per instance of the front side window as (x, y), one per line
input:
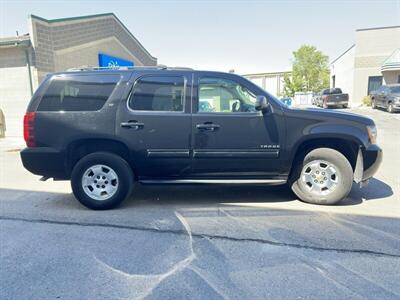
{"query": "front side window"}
(224, 96)
(395, 89)
(158, 93)
(78, 93)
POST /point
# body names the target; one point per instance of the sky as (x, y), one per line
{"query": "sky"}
(247, 36)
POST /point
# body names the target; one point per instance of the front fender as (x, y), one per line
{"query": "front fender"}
(347, 132)
(327, 132)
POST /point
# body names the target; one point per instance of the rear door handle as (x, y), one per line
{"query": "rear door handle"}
(207, 126)
(132, 124)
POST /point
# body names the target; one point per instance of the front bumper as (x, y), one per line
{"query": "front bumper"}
(396, 106)
(44, 161)
(372, 159)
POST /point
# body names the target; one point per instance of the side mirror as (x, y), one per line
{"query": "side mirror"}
(261, 103)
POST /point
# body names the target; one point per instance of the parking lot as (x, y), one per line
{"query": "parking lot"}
(202, 241)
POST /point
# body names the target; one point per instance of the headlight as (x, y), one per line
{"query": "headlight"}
(397, 99)
(372, 134)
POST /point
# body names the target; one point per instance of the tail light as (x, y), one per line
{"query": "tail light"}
(29, 129)
(325, 98)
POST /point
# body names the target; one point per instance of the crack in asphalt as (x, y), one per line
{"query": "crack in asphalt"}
(203, 235)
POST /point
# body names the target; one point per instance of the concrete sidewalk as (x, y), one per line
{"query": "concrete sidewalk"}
(8, 144)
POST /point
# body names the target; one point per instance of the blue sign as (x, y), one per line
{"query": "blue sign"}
(109, 61)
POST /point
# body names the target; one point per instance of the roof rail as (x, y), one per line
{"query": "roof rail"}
(158, 67)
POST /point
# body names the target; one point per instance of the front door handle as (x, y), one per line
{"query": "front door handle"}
(207, 126)
(132, 124)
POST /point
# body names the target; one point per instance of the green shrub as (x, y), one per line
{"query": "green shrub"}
(367, 101)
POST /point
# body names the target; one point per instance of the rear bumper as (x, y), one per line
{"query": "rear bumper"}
(44, 161)
(332, 103)
(372, 159)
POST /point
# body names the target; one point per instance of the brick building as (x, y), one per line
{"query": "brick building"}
(57, 45)
(373, 60)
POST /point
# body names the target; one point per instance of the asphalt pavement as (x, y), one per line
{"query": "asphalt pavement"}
(202, 242)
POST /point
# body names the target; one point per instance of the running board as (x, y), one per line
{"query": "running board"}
(214, 181)
(44, 178)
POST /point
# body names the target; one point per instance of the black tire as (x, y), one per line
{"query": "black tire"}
(373, 104)
(345, 177)
(345, 106)
(118, 165)
(390, 108)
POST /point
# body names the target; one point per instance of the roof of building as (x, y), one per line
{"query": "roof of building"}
(13, 41)
(77, 18)
(363, 29)
(378, 28)
(348, 49)
(73, 18)
(392, 63)
(267, 74)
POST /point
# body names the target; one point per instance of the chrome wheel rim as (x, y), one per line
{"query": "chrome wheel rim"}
(320, 177)
(100, 182)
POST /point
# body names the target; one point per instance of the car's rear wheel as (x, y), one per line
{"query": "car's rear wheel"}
(102, 180)
(345, 105)
(324, 176)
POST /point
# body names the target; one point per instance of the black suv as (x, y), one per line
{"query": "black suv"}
(104, 129)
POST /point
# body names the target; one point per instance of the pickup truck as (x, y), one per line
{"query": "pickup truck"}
(331, 97)
(106, 129)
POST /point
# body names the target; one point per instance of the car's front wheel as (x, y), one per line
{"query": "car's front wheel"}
(324, 176)
(373, 104)
(390, 108)
(102, 180)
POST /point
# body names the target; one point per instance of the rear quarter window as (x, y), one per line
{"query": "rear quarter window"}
(78, 93)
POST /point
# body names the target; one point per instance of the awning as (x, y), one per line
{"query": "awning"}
(392, 63)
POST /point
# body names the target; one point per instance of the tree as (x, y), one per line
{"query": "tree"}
(310, 72)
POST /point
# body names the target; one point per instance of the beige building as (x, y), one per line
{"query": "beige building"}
(373, 60)
(271, 82)
(57, 45)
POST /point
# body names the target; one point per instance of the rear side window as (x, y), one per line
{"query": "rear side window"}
(78, 93)
(158, 93)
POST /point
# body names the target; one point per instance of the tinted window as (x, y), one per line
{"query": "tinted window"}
(325, 92)
(332, 91)
(78, 93)
(374, 83)
(226, 96)
(158, 93)
(395, 89)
